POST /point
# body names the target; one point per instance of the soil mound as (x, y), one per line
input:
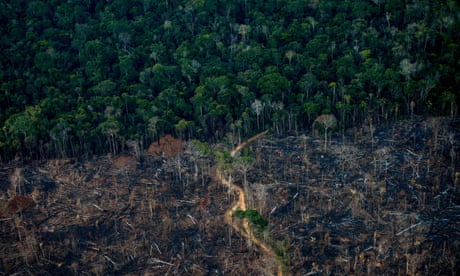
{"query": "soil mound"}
(167, 146)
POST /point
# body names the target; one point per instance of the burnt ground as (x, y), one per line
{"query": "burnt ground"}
(384, 204)
(121, 215)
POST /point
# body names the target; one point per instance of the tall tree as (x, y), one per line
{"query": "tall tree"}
(327, 122)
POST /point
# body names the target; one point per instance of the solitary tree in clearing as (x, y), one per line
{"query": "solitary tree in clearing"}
(326, 121)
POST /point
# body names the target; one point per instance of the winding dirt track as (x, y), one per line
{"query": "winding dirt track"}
(240, 204)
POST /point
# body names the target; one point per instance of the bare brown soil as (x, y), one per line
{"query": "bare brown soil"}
(385, 204)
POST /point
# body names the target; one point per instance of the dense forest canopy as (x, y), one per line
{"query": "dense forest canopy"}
(90, 77)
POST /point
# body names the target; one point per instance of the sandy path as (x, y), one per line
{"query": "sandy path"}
(240, 204)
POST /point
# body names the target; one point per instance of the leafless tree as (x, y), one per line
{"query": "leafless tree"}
(326, 121)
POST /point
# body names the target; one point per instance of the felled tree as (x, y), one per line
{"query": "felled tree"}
(326, 121)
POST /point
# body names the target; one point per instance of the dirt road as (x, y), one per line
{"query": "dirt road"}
(240, 204)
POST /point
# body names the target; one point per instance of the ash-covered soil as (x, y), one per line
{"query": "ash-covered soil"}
(373, 200)
(381, 204)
